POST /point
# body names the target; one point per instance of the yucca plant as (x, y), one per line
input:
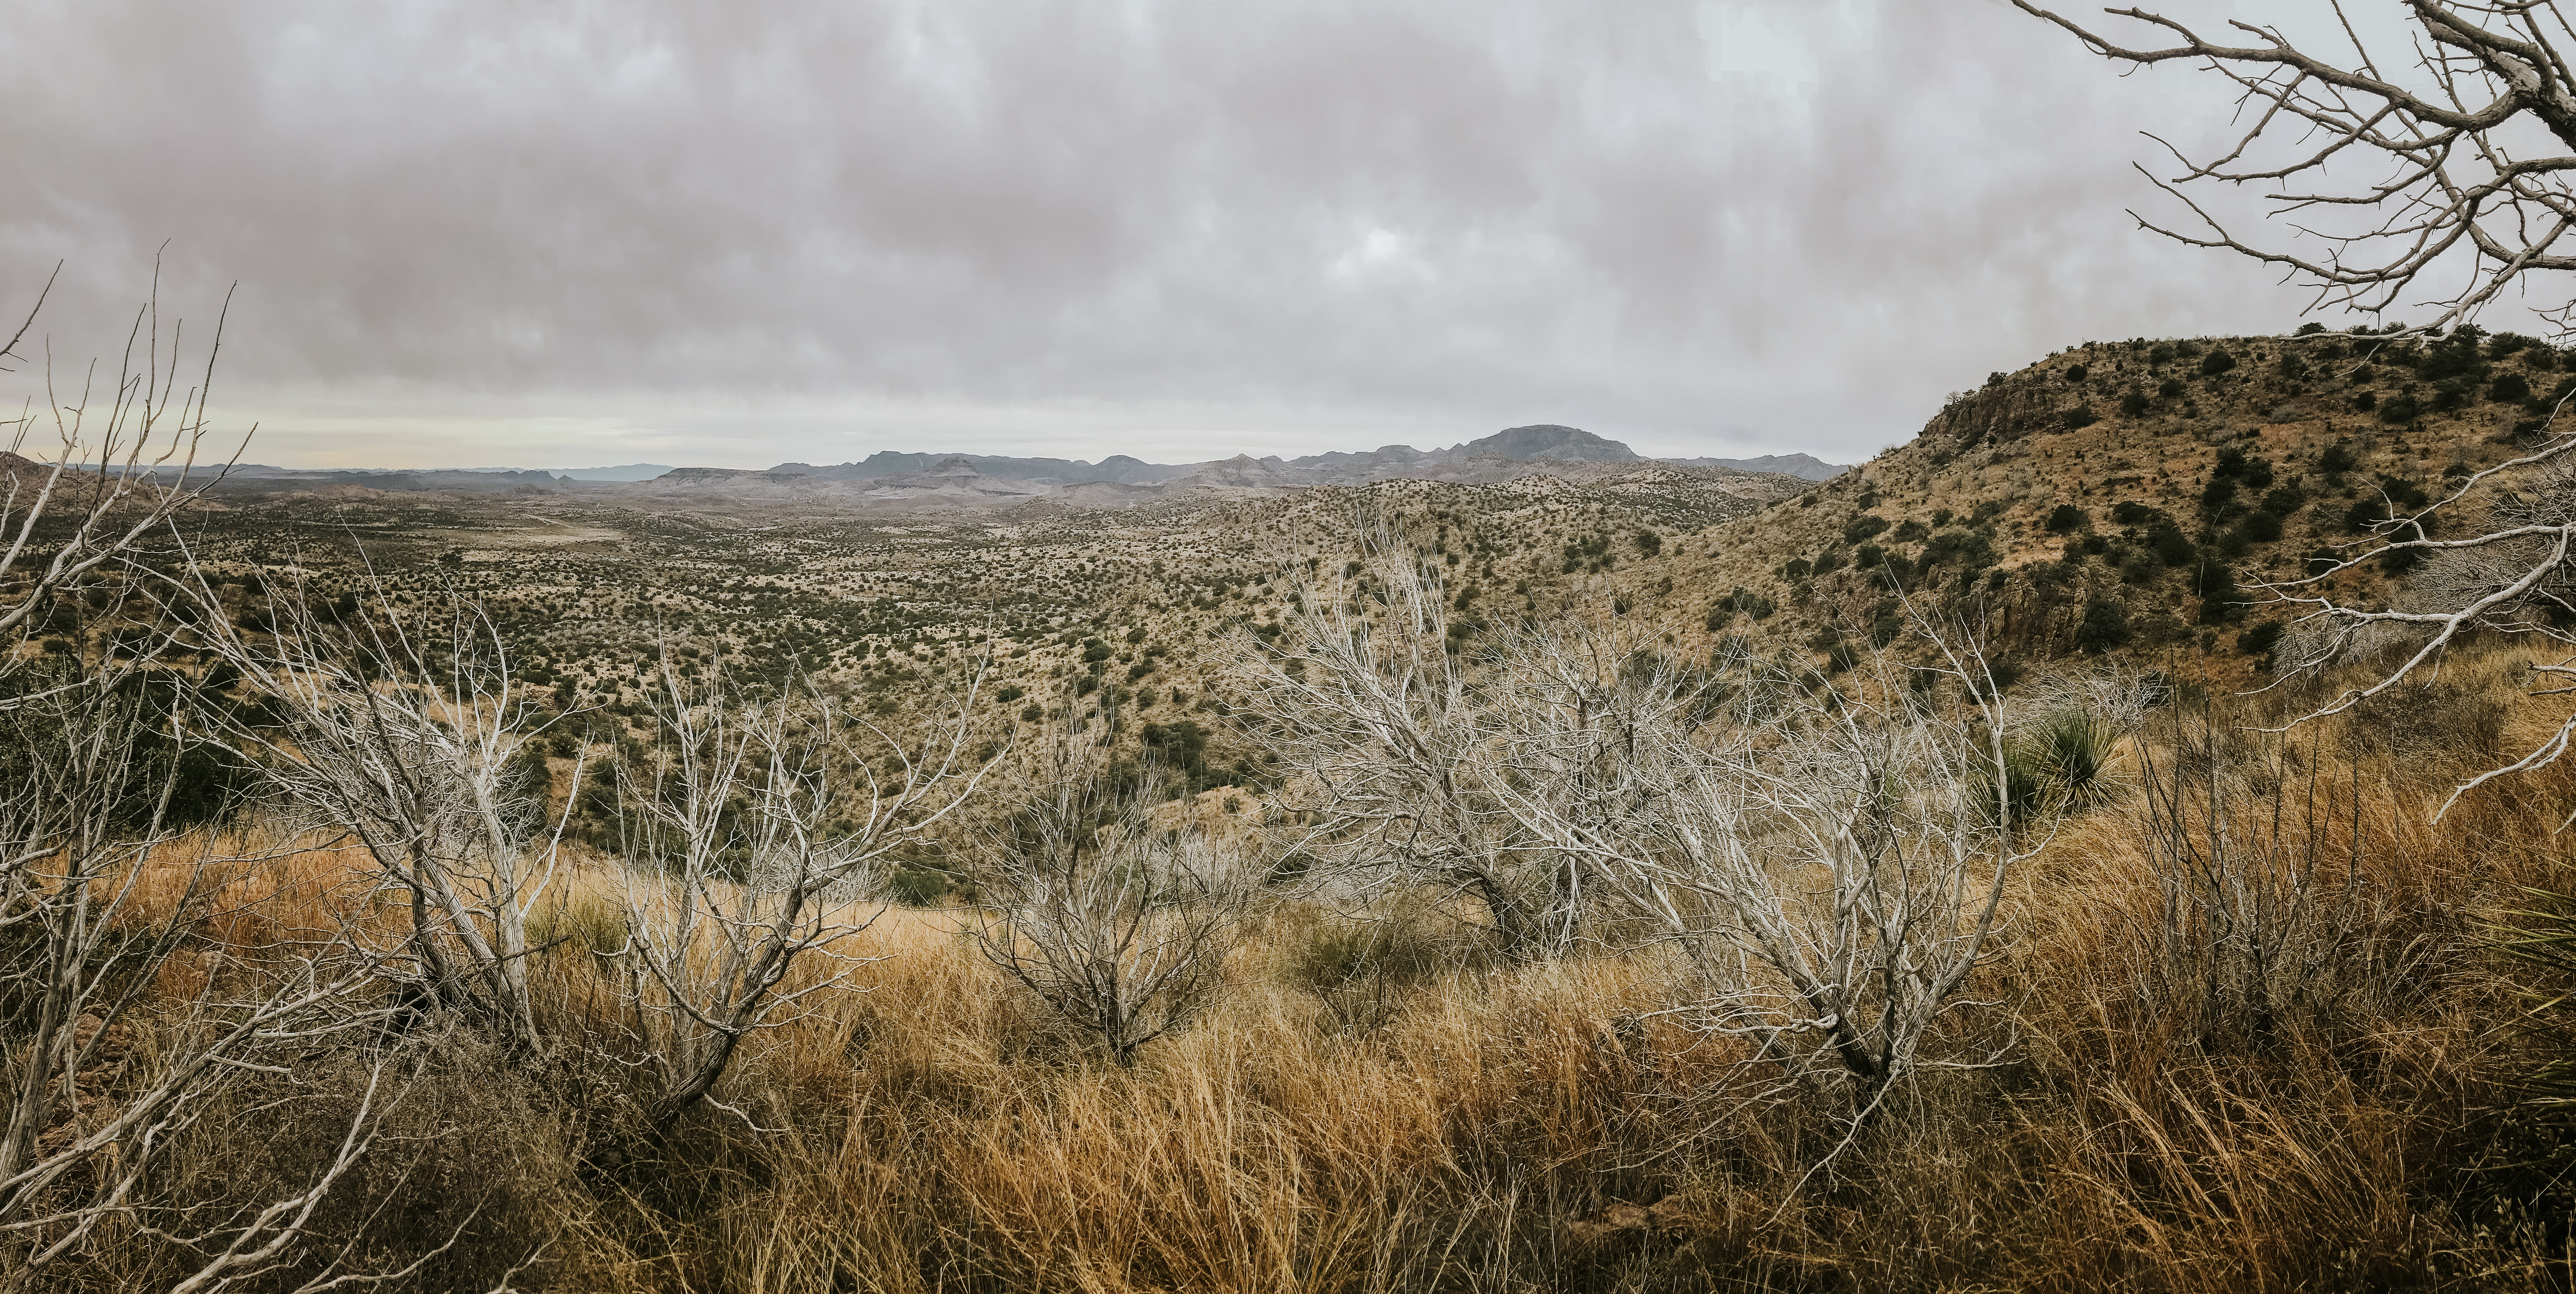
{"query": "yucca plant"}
(2055, 765)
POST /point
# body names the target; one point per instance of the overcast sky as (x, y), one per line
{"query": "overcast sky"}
(510, 232)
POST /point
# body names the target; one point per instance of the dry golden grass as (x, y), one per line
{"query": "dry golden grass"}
(928, 1128)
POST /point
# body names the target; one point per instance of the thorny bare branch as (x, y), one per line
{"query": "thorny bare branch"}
(2461, 196)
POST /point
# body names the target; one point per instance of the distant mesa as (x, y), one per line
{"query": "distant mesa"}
(726, 476)
(1549, 441)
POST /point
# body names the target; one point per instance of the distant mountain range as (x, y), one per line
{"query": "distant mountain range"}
(1544, 442)
(932, 479)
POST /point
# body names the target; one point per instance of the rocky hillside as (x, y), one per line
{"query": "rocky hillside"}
(2127, 496)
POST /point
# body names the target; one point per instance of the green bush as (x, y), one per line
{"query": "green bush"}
(2171, 546)
(2066, 518)
(1739, 602)
(918, 885)
(2259, 642)
(2105, 626)
(2215, 584)
(2285, 501)
(2216, 362)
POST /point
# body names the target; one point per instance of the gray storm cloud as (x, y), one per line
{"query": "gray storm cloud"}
(560, 233)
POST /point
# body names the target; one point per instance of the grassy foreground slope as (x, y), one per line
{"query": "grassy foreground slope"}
(2342, 1111)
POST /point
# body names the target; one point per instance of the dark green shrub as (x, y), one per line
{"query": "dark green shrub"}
(2259, 641)
(2509, 388)
(2216, 362)
(2400, 408)
(1971, 551)
(1739, 602)
(2215, 584)
(2080, 416)
(2105, 626)
(2133, 403)
(1181, 747)
(918, 885)
(2399, 498)
(2337, 457)
(2455, 356)
(2066, 518)
(2172, 546)
(1862, 527)
(1885, 625)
